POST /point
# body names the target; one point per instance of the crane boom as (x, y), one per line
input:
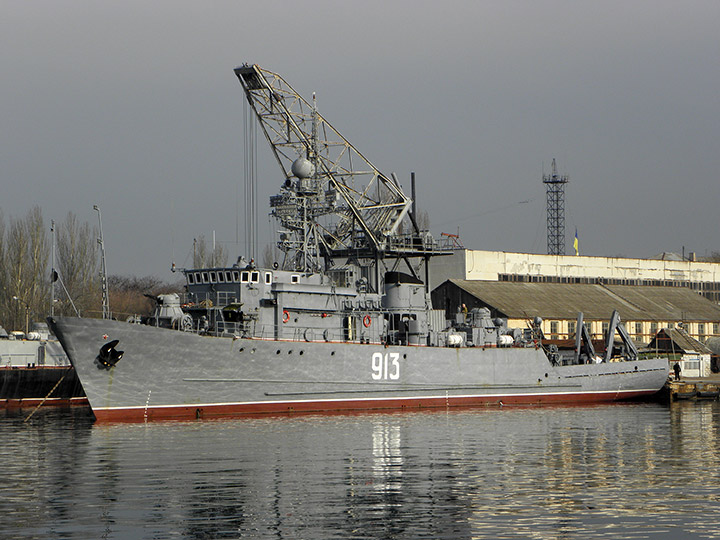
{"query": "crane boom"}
(333, 196)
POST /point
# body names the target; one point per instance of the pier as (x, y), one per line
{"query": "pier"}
(695, 388)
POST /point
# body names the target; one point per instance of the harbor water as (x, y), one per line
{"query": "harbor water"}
(641, 470)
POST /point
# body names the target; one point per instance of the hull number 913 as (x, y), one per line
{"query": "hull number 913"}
(385, 366)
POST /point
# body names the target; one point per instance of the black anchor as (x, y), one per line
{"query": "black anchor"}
(108, 356)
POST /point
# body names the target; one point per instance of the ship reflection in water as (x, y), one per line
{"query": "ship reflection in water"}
(610, 471)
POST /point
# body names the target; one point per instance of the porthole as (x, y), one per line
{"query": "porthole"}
(332, 353)
(242, 349)
(290, 351)
(277, 352)
(302, 352)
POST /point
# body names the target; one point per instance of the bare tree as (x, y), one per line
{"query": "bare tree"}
(5, 308)
(205, 257)
(39, 287)
(77, 265)
(130, 295)
(24, 294)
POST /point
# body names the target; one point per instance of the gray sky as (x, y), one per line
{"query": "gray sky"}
(134, 106)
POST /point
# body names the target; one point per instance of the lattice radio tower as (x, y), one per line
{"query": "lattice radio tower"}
(555, 211)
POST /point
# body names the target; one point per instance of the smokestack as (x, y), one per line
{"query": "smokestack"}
(412, 189)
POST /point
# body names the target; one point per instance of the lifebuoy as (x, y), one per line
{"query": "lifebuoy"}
(366, 321)
(286, 316)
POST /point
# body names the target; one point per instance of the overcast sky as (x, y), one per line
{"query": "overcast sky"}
(134, 106)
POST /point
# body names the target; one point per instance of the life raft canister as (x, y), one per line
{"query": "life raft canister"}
(286, 316)
(366, 321)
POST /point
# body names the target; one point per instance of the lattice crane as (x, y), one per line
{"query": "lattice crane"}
(333, 200)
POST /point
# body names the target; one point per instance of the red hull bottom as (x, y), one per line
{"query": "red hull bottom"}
(49, 402)
(226, 410)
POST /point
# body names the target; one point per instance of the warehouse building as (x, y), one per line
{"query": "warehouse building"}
(650, 294)
(667, 270)
(644, 310)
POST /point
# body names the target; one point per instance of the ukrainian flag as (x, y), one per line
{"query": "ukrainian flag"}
(576, 243)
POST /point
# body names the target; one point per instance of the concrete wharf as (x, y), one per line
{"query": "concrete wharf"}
(691, 388)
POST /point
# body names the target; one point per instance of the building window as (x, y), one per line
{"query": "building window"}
(653, 329)
(571, 329)
(701, 332)
(638, 329)
(553, 329)
(715, 328)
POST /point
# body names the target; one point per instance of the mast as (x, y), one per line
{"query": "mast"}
(103, 269)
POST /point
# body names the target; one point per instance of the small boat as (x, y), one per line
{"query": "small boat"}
(34, 369)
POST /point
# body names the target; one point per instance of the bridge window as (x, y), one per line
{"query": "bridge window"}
(213, 277)
(255, 277)
(191, 279)
(244, 277)
(268, 278)
(205, 277)
(236, 276)
(294, 278)
(221, 277)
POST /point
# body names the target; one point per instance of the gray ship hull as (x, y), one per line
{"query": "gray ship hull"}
(167, 374)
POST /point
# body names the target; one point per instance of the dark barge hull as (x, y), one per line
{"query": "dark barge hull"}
(58, 386)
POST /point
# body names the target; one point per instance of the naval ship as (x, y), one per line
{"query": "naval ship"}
(343, 321)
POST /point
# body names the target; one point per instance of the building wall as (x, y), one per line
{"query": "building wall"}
(490, 265)
(503, 266)
(641, 331)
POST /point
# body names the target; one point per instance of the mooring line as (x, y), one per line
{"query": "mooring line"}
(49, 394)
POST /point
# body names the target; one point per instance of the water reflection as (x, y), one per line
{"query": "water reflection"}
(630, 471)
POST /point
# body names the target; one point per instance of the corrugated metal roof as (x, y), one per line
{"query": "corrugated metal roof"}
(596, 301)
(679, 340)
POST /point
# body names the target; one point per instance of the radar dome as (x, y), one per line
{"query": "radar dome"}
(302, 168)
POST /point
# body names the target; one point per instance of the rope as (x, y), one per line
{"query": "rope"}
(49, 394)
